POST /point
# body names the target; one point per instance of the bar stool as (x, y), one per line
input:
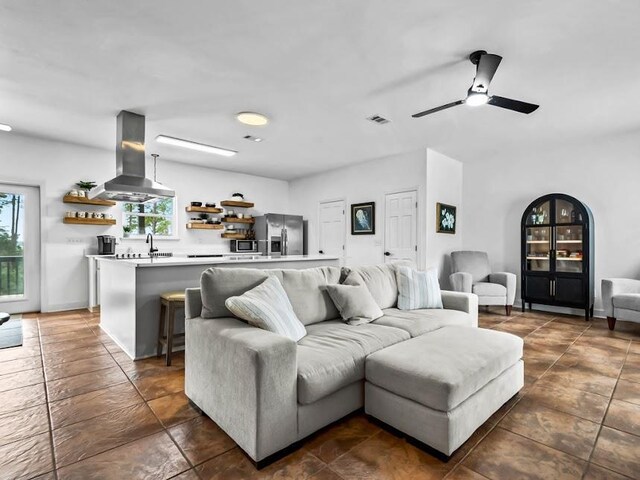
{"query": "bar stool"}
(169, 303)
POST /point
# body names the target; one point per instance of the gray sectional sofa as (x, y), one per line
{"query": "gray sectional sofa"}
(268, 392)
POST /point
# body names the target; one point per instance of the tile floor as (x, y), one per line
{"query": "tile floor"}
(73, 405)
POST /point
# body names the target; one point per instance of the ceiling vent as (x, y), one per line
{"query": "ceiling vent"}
(378, 119)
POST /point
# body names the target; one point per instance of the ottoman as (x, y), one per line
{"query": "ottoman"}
(441, 386)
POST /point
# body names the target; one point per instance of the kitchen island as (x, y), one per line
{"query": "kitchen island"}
(130, 291)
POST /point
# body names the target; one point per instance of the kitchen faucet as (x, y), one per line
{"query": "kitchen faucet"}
(151, 249)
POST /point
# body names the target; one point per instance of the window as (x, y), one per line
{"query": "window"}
(157, 217)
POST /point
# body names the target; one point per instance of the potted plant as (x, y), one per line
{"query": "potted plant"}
(126, 231)
(84, 187)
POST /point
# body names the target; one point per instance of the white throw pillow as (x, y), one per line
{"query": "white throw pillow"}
(418, 289)
(268, 307)
(355, 303)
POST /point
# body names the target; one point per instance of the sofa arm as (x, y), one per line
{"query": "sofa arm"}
(244, 378)
(192, 303)
(461, 282)
(508, 281)
(464, 302)
(615, 286)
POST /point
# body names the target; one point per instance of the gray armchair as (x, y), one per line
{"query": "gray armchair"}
(472, 274)
(621, 300)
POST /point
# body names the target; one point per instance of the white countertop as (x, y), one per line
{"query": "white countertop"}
(227, 259)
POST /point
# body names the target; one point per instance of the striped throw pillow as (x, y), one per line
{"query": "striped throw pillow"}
(268, 307)
(418, 289)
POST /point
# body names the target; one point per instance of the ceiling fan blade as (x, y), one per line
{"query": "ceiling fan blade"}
(486, 69)
(515, 105)
(437, 109)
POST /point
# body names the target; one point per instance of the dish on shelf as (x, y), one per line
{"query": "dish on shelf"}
(210, 205)
(196, 204)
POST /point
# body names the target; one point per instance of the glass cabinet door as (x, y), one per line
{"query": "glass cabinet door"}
(567, 212)
(538, 249)
(540, 215)
(569, 248)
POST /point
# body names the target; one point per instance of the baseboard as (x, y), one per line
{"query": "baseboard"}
(63, 307)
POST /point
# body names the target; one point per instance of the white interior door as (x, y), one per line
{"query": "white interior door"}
(331, 228)
(401, 226)
(19, 249)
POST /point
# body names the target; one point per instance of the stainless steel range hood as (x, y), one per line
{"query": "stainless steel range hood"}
(130, 184)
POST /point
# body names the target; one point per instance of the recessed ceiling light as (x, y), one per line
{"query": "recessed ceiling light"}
(252, 138)
(201, 147)
(252, 118)
(5, 128)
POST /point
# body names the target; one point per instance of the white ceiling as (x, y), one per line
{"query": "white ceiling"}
(317, 69)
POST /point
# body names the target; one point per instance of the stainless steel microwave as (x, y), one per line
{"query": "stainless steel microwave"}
(244, 246)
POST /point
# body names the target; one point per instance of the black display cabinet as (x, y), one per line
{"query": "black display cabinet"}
(557, 253)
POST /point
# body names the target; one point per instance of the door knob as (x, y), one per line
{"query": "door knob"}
(387, 254)
(321, 251)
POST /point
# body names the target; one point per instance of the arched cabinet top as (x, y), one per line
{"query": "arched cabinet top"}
(556, 209)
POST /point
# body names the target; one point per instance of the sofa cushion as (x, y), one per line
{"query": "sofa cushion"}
(418, 322)
(268, 307)
(355, 303)
(485, 289)
(217, 284)
(418, 289)
(444, 368)
(629, 301)
(379, 279)
(308, 294)
(332, 355)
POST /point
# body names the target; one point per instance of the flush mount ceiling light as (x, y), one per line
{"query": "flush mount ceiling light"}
(5, 128)
(252, 118)
(201, 147)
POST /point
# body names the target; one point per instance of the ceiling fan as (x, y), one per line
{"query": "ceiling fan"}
(478, 94)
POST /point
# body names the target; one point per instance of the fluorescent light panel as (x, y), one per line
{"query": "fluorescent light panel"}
(201, 147)
(5, 128)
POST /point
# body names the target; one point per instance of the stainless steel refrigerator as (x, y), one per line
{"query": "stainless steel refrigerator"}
(279, 234)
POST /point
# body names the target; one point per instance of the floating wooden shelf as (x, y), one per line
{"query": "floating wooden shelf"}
(236, 203)
(238, 220)
(204, 226)
(89, 221)
(88, 201)
(204, 209)
(234, 236)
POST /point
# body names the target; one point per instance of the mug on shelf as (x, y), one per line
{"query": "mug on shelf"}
(73, 193)
(240, 215)
(108, 215)
(69, 214)
(81, 214)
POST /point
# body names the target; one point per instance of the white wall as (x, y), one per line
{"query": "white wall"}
(604, 175)
(57, 166)
(363, 182)
(444, 185)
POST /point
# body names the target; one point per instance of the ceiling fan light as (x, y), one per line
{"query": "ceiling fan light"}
(475, 99)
